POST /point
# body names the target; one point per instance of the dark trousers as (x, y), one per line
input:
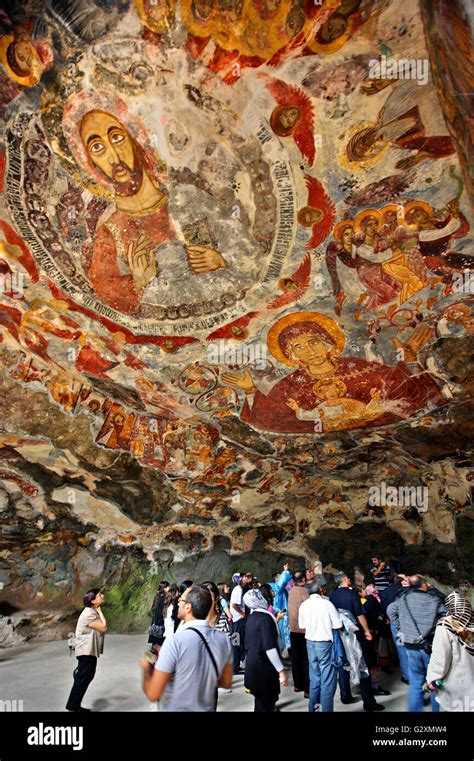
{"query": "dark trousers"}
(238, 642)
(299, 661)
(264, 705)
(83, 676)
(366, 690)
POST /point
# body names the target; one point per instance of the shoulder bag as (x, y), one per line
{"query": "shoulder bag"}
(425, 643)
(213, 660)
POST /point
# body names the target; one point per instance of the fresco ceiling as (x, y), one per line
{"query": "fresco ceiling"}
(235, 280)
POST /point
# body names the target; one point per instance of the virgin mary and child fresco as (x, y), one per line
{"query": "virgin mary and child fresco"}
(328, 392)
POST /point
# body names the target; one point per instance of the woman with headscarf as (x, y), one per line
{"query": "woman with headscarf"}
(452, 657)
(264, 670)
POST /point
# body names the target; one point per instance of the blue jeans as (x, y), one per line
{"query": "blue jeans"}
(417, 667)
(322, 676)
(402, 654)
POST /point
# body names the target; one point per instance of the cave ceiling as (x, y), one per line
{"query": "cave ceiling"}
(235, 276)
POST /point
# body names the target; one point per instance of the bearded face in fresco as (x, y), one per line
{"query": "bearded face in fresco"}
(113, 151)
(309, 216)
(332, 29)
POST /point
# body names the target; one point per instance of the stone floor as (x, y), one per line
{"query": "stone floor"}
(40, 674)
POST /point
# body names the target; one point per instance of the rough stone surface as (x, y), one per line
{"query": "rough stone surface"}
(258, 347)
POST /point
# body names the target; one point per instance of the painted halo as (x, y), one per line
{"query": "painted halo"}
(409, 208)
(327, 323)
(332, 47)
(396, 207)
(359, 218)
(340, 227)
(36, 68)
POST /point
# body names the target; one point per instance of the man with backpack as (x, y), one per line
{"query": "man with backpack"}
(414, 616)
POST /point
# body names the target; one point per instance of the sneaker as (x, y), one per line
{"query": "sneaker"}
(380, 691)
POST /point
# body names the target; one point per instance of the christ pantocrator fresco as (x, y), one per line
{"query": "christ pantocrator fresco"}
(189, 211)
(124, 261)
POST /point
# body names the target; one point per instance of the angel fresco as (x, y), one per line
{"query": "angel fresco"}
(395, 250)
(400, 123)
(380, 287)
(366, 394)
(293, 116)
(24, 61)
(294, 286)
(114, 149)
(319, 213)
(432, 230)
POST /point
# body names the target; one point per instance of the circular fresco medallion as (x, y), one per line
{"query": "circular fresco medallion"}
(167, 209)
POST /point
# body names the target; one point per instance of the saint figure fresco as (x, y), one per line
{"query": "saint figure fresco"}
(124, 257)
(347, 392)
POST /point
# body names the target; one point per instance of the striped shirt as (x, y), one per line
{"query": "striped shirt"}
(382, 580)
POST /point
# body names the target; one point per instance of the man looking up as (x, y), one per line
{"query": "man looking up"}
(198, 656)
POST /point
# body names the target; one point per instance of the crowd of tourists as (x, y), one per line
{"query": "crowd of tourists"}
(203, 635)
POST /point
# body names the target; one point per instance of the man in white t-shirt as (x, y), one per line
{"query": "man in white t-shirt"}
(237, 609)
(318, 617)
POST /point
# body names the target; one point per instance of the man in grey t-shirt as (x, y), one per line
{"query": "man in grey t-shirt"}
(191, 664)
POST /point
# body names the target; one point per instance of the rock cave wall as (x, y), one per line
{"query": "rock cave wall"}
(236, 298)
